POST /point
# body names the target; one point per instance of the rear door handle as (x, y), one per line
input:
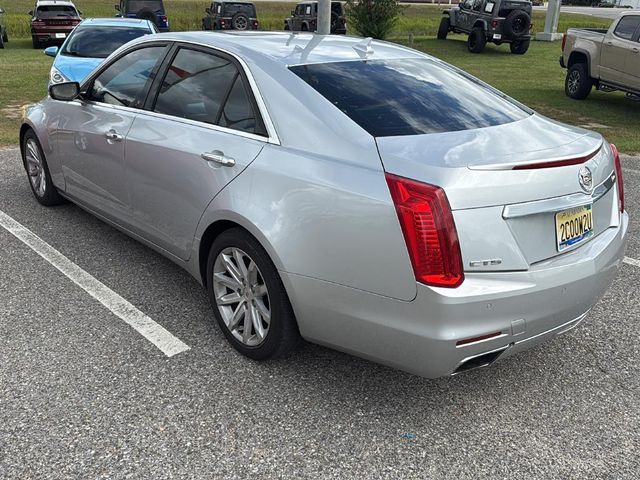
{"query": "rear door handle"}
(113, 135)
(218, 157)
(635, 50)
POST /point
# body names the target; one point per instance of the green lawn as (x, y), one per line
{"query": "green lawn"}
(535, 79)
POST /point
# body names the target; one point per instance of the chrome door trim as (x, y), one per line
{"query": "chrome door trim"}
(559, 203)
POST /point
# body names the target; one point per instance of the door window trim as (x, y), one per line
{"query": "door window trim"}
(634, 35)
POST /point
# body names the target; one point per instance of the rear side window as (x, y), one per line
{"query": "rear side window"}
(408, 96)
(207, 88)
(627, 27)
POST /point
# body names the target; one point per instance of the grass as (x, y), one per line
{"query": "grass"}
(535, 79)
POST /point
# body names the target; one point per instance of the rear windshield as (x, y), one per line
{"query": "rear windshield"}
(408, 96)
(99, 42)
(233, 8)
(56, 11)
(137, 5)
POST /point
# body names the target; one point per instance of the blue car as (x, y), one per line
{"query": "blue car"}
(93, 40)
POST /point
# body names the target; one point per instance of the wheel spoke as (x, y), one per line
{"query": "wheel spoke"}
(257, 321)
(229, 298)
(252, 273)
(262, 310)
(246, 334)
(227, 281)
(239, 258)
(231, 268)
(238, 314)
(260, 290)
(32, 151)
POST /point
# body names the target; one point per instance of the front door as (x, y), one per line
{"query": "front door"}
(615, 49)
(92, 129)
(201, 132)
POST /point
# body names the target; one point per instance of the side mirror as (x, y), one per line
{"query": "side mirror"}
(64, 91)
(51, 51)
(79, 12)
(1, 10)
(30, 13)
(208, 10)
(117, 7)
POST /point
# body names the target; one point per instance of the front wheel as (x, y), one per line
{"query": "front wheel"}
(519, 47)
(443, 29)
(248, 298)
(37, 169)
(476, 41)
(35, 42)
(578, 83)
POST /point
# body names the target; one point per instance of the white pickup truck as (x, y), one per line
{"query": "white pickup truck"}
(607, 59)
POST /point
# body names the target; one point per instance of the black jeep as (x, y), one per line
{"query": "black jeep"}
(305, 18)
(230, 16)
(152, 10)
(497, 21)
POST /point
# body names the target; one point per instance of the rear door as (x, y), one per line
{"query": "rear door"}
(200, 131)
(91, 131)
(616, 50)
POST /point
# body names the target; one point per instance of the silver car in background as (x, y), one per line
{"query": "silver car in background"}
(354, 193)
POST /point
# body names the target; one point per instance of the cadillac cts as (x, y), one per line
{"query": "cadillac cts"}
(353, 193)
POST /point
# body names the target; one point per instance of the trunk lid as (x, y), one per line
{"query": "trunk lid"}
(506, 217)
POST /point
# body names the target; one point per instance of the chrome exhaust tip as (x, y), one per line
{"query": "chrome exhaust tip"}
(480, 360)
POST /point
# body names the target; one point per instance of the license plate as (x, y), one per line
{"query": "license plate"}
(574, 226)
(59, 35)
(497, 36)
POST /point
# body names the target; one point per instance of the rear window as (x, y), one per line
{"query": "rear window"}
(233, 8)
(99, 42)
(137, 5)
(56, 11)
(408, 96)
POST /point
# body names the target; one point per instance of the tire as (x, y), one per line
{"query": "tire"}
(519, 47)
(477, 40)
(34, 161)
(443, 29)
(304, 28)
(516, 24)
(578, 83)
(2, 41)
(286, 27)
(5, 36)
(280, 333)
(35, 42)
(240, 21)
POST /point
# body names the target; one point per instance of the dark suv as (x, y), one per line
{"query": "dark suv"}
(305, 18)
(3, 29)
(230, 16)
(152, 10)
(52, 21)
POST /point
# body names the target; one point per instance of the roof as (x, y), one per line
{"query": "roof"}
(292, 48)
(45, 3)
(116, 22)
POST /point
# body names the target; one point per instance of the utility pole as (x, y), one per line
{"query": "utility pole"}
(324, 17)
(551, 23)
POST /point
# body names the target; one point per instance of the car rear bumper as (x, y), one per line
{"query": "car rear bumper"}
(527, 308)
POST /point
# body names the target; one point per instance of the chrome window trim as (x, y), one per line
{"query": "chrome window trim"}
(272, 135)
(559, 203)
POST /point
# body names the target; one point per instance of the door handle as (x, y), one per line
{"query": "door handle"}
(218, 157)
(635, 50)
(113, 135)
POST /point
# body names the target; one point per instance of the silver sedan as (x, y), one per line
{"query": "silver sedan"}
(354, 193)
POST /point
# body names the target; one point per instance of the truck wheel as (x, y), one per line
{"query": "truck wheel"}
(443, 29)
(477, 40)
(519, 47)
(578, 83)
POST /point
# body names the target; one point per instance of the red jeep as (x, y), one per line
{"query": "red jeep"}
(52, 21)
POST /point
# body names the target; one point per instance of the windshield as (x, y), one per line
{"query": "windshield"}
(99, 42)
(56, 11)
(137, 5)
(409, 96)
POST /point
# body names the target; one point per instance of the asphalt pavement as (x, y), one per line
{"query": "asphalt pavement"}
(84, 395)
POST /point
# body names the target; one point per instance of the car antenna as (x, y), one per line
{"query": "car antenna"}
(364, 48)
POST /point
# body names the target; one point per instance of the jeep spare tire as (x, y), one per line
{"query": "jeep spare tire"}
(146, 14)
(240, 21)
(517, 24)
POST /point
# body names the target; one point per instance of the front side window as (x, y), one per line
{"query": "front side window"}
(627, 27)
(99, 42)
(408, 96)
(207, 88)
(126, 81)
(307, 10)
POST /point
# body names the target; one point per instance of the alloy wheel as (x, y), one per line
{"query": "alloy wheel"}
(241, 296)
(573, 81)
(35, 168)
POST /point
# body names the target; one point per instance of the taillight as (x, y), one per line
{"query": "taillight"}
(564, 41)
(494, 23)
(429, 231)
(619, 180)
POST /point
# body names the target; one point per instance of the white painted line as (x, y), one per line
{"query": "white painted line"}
(631, 261)
(145, 326)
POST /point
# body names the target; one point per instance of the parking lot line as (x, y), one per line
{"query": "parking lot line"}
(631, 261)
(145, 326)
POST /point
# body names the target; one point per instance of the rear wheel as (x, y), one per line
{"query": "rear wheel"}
(443, 29)
(578, 83)
(304, 28)
(519, 47)
(249, 300)
(240, 21)
(477, 40)
(5, 36)
(38, 171)
(2, 41)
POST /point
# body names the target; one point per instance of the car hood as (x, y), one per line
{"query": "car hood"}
(76, 69)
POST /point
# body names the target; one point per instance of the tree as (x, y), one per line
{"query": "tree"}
(373, 18)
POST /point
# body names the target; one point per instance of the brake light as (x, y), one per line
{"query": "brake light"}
(619, 179)
(494, 23)
(429, 231)
(163, 18)
(564, 41)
